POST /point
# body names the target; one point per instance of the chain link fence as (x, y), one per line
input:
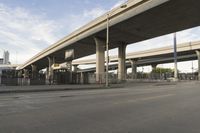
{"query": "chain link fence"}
(65, 77)
(164, 76)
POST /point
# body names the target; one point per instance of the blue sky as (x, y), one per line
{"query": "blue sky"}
(29, 26)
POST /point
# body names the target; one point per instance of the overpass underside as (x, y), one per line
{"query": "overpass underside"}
(169, 17)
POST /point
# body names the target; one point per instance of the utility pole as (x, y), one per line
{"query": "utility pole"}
(107, 42)
(175, 59)
(107, 49)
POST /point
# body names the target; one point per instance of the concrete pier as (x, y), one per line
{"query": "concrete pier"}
(100, 60)
(198, 58)
(50, 70)
(134, 68)
(34, 71)
(122, 62)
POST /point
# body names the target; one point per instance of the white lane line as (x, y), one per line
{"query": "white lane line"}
(145, 99)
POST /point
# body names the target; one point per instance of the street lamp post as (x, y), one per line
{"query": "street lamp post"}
(107, 43)
(107, 49)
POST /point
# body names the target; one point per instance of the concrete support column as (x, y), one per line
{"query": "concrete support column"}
(25, 80)
(153, 74)
(20, 77)
(75, 74)
(122, 62)
(126, 72)
(20, 74)
(26, 73)
(34, 73)
(50, 69)
(134, 68)
(154, 66)
(47, 75)
(100, 60)
(198, 58)
(75, 68)
(69, 68)
(82, 78)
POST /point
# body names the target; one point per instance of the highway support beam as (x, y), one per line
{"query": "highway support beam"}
(34, 72)
(69, 68)
(100, 60)
(198, 58)
(81, 78)
(47, 75)
(51, 61)
(122, 62)
(154, 66)
(134, 68)
(75, 79)
(75, 68)
(153, 73)
(25, 80)
(26, 73)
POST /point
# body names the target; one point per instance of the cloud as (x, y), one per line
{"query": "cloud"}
(94, 13)
(188, 35)
(25, 33)
(119, 3)
(166, 40)
(75, 21)
(182, 36)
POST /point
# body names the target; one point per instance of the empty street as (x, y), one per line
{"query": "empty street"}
(134, 108)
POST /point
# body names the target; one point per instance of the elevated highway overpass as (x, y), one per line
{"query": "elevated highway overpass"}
(140, 20)
(186, 51)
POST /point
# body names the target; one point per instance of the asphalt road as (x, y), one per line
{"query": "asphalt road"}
(137, 108)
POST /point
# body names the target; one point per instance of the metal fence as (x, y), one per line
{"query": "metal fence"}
(90, 78)
(165, 76)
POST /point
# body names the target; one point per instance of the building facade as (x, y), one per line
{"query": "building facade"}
(6, 58)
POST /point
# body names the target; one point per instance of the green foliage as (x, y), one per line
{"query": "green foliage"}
(162, 70)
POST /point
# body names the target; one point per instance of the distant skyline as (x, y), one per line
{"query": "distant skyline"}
(29, 26)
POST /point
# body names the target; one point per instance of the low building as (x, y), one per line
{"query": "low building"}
(1, 61)
(8, 74)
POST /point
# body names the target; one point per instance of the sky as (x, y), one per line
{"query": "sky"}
(29, 26)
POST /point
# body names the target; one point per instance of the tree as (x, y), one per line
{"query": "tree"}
(162, 70)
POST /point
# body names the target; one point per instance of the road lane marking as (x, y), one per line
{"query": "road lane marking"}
(144, 99)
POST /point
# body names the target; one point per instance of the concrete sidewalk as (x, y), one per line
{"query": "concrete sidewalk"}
(41, 88)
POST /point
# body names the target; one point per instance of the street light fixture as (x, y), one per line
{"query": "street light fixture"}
(107, 42)
(123, 6)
